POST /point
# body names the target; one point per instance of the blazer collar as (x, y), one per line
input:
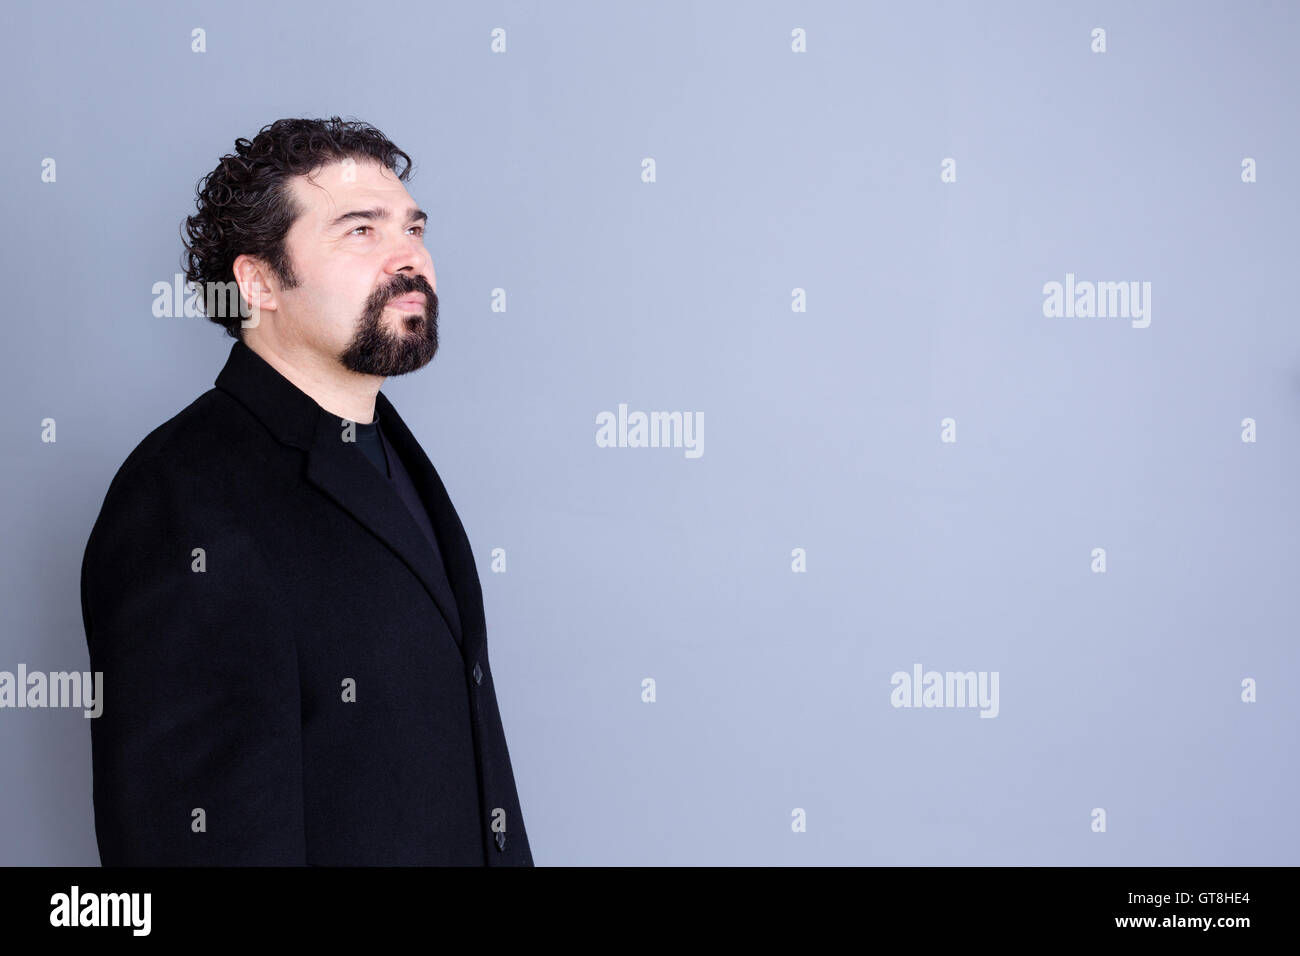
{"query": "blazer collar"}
(287, 411)
(343, 474)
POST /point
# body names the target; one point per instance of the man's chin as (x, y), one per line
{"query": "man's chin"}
(387, 365)
(414, 364)
(392, 343)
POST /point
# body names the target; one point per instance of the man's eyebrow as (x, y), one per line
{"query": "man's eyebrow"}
(379, 212)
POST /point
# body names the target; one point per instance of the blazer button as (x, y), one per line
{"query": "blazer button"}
(501, 840)
(478, 674)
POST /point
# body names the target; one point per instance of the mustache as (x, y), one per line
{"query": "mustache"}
(399, 286)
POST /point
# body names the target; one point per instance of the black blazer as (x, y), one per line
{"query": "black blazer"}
(300, 691)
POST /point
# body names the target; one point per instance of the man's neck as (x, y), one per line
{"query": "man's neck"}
(334, 388)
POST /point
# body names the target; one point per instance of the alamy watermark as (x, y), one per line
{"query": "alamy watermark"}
(1089, 300)
(76, 908)
(55, 689)
(946, 689)
(651, 430)
(217, 300)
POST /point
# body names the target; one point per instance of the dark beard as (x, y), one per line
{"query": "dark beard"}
(375, 350)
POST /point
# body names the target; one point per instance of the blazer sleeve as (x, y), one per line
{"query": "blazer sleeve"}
(197, 752)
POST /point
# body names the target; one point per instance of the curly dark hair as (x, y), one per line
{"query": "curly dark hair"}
(245, 205)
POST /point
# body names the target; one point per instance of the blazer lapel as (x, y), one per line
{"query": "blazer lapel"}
(343, 473)
(452, 540)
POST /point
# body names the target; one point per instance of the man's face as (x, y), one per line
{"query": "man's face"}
(366, 286)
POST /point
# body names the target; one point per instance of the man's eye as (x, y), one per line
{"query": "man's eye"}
(420, 233)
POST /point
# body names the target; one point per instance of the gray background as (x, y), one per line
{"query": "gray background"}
(776, 170)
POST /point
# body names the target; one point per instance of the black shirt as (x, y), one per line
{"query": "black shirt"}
(375, 445)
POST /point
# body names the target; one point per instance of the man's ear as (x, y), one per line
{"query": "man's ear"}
(256, 289)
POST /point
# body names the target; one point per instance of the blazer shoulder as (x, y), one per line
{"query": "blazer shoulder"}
(202, 439)
(194, 462)
(185, 473)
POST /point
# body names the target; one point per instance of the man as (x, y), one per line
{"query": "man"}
(278, 591)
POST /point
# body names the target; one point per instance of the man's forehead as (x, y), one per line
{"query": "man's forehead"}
(340, 186)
